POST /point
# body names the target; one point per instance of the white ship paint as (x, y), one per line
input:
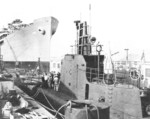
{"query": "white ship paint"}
(31, 42)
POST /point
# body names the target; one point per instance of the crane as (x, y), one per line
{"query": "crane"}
(13, 52)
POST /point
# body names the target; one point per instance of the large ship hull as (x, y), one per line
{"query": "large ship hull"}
(30, 43)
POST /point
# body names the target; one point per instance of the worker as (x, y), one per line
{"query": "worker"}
(56, 83)
(58, 75)
(52, 80)
(49, 80)
(45, 80)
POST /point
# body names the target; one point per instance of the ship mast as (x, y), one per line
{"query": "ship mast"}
(84, 40)
(90, 27)
(83, 37)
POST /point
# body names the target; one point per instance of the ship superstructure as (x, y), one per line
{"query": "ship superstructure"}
(29, 42)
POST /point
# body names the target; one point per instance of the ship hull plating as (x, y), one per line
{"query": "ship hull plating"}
(31, 42)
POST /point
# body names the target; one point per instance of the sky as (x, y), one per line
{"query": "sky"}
(116, 24)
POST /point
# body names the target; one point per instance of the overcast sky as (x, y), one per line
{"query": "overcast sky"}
(119, 23)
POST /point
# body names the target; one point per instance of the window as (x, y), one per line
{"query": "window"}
(123, 62)
(135, 63)
(58, 65)
(54, 65)
(147, 72)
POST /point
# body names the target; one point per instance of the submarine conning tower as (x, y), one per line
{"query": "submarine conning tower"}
(79, 69)
(84, 46)
(83, 67)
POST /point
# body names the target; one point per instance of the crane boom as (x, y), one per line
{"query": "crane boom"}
(12, 52)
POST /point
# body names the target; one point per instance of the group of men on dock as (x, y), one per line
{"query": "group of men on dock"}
(51, 80)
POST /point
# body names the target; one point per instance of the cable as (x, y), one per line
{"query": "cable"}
(69, 103)
(97, 110)
(51, 109)
(50, 103)
(47, 100)
(36, 94)
(62, 107)
(45, 106)
(87, 112)
(54, 110)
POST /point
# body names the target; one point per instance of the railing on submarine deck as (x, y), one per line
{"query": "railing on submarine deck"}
(123, 76)
(128, 77)
(92, 75)
(92, 50)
